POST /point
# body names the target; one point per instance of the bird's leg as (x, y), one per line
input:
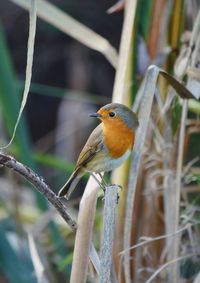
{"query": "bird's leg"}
(98, 182)
(106, 185)
(102, 180)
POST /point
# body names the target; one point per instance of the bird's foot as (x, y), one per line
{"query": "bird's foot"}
(119, 186)
(104, 192)
(110, 185)
(118, 197)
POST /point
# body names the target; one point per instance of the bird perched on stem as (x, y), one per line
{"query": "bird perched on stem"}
(108, 146)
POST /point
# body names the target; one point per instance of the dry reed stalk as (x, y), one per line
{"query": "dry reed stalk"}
(120, 176)
(83, 238)
(144, 115)
(120, 94)
(168, 183)
(158, 11)
(111, 200)
(177, 193)
(193, 59)
(119, 91)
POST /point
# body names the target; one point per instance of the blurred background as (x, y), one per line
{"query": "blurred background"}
(70, 81)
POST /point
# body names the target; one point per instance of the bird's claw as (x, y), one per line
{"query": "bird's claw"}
(118, 195)
(104, 192)
(119, 186)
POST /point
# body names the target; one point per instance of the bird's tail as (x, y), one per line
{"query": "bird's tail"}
(71, 183)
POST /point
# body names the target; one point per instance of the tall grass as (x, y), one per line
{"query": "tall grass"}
(157, 204)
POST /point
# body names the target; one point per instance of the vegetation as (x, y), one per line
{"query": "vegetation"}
(153, 229)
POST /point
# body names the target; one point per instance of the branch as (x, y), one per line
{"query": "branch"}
(39, 184)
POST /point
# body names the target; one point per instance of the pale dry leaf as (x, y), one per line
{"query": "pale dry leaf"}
(30, 52)
(37, 261)
(67, 24)
(116, 7)
(119, 91)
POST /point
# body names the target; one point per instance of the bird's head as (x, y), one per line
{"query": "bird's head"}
(113, 112)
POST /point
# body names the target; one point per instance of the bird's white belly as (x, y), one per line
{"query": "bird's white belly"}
(108, 163)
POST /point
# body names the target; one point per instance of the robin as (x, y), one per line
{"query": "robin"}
(108, 146)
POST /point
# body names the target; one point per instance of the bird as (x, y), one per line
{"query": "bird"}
(107, 147)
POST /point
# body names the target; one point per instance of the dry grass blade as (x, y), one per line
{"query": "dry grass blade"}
(84, 233)
(144, 115)
(116, 7)
(119, 91)
(111, 199)
(178, 184)
(147, 240)
(38, 255)
(192, 63)
(37, 262)
(30, 51)
(193, 69)
(94, 257)
(179, 87)
(166, 265)
(73, 28)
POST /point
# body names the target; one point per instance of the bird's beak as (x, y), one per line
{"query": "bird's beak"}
(95, 115)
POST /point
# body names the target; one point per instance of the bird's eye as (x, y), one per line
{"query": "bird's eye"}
(112, 114)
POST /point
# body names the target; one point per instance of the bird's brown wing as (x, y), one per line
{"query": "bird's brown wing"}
(93, 145)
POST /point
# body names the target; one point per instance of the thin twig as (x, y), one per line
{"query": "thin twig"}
(167, 264)
(148, 240)
(39, 184)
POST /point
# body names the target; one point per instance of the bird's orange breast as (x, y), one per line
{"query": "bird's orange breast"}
(118, 137)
